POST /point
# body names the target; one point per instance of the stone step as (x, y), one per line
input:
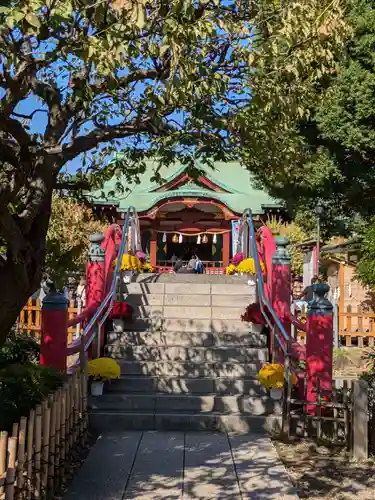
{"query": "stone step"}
(233, 354)
(186, 339)
(191, 278)
(166, 403)
(241, 289)
(189, 369)
(178, 385)
(158, 299)
(190, 325)
(186, 312)
(101, 421)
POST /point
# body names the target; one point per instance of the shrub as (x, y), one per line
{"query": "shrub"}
(22, 387)
(23, 382)
(19, 350)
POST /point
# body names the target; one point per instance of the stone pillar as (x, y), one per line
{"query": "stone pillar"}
(319, 344)
(54, 331)
(281, 286)
(226, 249)
(95, 272)
(153, 248)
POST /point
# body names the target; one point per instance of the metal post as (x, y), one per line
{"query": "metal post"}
(317, 244)
(319, 212)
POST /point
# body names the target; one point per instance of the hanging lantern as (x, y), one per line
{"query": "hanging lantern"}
(180, 238)
(205, 239)
(199, 239)
(175, 238)
(214, 239)
(164, 238)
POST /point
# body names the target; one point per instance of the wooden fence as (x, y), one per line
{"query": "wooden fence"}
(340, 418)
(34, 460)
(29, 321)
(355, 328)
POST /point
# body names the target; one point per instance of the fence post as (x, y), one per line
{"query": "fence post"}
(95, 271)
(54, 331)
(281, 285)
(360, 420)
(336, 320)
(319, 344)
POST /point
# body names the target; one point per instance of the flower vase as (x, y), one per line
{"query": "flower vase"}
(97, 388)
(126, 277)
(276, 393)
(251, 281)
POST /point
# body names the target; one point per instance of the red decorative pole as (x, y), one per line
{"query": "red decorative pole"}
(226, 249)
(153, 248)
(96, 285)
(281, 289)
(319, 344)
(95, 272)
(54, 331)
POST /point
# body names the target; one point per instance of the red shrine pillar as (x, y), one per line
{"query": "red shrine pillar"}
(281, 289)
(319, 344)
(153, 247)
(95, 272)
(54, 331)
(226, 249)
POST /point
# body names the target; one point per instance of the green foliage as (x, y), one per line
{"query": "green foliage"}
(144, 79)
(23, 382)
(296, 235)
(159, 78)
(22, 387)
(369, 375)
(19, 350)
(365, 269)
(327, 150)
(68, 234)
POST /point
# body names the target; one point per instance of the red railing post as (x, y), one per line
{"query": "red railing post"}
(96, 278)
(319, 344)
(54, 331)
(95, 272)
(281, 287)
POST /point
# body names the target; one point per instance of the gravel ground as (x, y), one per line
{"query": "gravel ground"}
(326, 473)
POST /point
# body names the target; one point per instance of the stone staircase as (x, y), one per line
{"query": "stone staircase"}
(187, 361)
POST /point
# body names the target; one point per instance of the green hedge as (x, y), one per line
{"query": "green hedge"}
(23, 382)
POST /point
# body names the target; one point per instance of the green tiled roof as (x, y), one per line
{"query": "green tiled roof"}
(230, 176)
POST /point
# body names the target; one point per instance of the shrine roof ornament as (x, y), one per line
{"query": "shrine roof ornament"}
(233, 184)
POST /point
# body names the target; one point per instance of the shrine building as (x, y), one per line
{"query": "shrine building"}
(186, 215)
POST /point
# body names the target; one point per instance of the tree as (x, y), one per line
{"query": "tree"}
(326, 150)
(295, 235)
(137, 76)
(161, 78)
(67, 240)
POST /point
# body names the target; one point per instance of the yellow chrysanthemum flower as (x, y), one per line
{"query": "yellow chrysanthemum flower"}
(271, 376)
(102, 369)
(231, 269)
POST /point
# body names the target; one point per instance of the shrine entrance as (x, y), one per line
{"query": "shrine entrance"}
(182, 227)
(208, 247)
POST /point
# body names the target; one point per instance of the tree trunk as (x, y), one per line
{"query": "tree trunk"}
(19, 280)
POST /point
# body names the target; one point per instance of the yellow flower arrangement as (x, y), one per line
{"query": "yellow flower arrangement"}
(247, 266)
(271, 376)
(102, 369)
(129, 263)
(147, 268)
(231, 269)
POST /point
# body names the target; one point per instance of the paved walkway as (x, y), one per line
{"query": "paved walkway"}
(176, 465)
